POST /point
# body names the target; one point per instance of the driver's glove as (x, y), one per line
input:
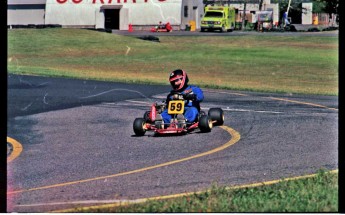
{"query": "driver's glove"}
(189, 96)
(177, 96)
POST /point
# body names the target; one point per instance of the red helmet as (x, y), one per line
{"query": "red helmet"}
(178, 79)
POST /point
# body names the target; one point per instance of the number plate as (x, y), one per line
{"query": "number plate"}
(176, 107)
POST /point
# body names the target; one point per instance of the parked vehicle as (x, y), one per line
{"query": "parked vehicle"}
(218, 18)
(265, 20)
(162, 28)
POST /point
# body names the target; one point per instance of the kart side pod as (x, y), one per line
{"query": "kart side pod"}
(152, 114)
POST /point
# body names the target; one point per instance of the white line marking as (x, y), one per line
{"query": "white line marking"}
(146, 104)
(256, 111)
(128, 49)
(83, 202)
(25, 108)
(141, 103)
(44, 99)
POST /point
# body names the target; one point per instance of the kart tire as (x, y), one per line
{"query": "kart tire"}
(202, 113)
(216, 114)
(138, 126)
(205, 124)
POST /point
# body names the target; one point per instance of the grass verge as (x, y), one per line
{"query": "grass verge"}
(279, 63)
(311, 194)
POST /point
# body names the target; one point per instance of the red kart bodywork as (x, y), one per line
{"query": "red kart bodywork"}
(171, 129)
(167, 28)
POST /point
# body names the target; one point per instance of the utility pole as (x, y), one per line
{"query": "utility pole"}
(244, 14)
(260, 4)
(288, 8)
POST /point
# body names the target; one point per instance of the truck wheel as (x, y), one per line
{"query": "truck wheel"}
(202, 29)
(223, 29)
(205, 124)
(139, 126)
(216, 114)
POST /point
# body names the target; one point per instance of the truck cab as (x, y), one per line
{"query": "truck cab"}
(218, 18)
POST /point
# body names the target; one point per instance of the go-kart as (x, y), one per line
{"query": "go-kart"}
(162, 28)
(152, 121)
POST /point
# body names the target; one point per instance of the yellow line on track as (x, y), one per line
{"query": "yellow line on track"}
(273, 98)
(136, 201)
(304, 103)
(16, 149)
(235, 138)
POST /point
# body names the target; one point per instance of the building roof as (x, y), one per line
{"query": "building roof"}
(16, 2)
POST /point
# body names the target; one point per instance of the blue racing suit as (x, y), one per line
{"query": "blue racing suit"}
(191, 108)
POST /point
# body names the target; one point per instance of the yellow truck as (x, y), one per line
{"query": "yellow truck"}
(218, 18)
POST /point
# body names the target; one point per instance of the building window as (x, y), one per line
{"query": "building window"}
(185, 11)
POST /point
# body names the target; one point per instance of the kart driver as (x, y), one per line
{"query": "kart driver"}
(193, 95)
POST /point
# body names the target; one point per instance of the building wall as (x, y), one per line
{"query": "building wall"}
(70, 14)
(25, 14)
(307, 14)
(135, 12)
(191, 10)
(275, 9)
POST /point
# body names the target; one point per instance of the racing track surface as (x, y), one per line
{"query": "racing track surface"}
(78, 148)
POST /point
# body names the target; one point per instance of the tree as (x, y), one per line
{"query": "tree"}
(318, 7)
(331, 7)
(260, 4)
(244, 14)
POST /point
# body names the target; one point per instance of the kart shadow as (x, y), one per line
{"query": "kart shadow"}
(167, 135)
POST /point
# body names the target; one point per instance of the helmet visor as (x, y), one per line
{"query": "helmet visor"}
(177, 82)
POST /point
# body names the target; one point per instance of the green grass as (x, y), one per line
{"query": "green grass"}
(313, 194)
(286, 64)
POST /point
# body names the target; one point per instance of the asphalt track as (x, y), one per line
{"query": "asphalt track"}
(71, 143)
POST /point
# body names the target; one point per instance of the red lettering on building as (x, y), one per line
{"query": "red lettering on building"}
(77, 1)
(61, 1)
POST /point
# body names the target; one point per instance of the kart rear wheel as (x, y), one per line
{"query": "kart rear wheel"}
(205, 123)
(139, 126)
(216, 114)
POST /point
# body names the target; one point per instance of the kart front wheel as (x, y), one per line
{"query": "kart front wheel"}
(216, 114)
(139, 126)
(205, 123)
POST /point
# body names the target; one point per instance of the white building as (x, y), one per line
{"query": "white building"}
(25, 12)
(113, 14)
(119, 14)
